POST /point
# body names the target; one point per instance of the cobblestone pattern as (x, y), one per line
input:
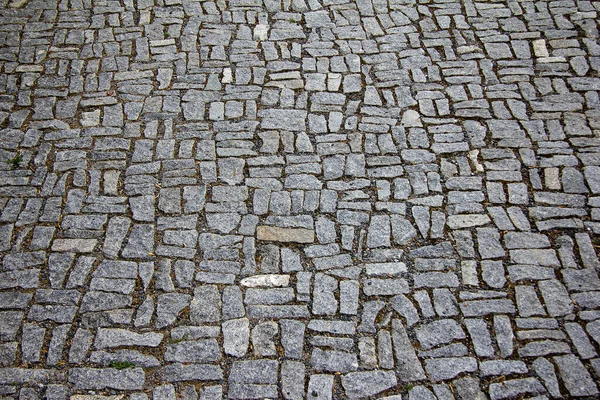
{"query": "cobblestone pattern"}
(321, 199)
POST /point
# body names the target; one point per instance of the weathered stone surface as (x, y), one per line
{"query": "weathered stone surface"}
(368, 383)
(575, 376)
(243, 199)
(236, 334)
(192, 372)
(266, 281)
(74, 245)
(108, 378)
(107, 338)
(276, 234)
(439, 332)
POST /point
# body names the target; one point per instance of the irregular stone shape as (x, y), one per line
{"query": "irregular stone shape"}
(142, 208)
(262, 339)
(276, 312)
(368, 383)
(449, 367)
(545, 370)
(223, 222)
(60, 314)
(169, 306)
(292, 337)
(479, 308)
(287, 235)
(575, 376)
(320, 387)
(266, 281)
(252, 391)
(467, 220)
(379, 232)
(556, 297)
(420, 393)
(409, 366)
(503, 367)
(542, 257)
(384, 287)
(107, 378)
(22, 376)
(439, 332)
(510, 389)
(206, 305)
(10, 322)
(140, 243)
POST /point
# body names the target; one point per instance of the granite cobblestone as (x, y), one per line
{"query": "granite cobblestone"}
(306, 199)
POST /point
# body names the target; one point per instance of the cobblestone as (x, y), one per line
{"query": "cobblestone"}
(319, 199)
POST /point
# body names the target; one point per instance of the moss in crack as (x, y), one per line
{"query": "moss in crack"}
(15, 161)
(121, 364)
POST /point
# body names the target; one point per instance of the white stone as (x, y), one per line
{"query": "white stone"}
(473, 156)
(271, 280)
(261, 32)
(539, 48)
(227, 76)
(411, 119)
(467, 220)
(333, 82)
(558, 59)
(91, 118)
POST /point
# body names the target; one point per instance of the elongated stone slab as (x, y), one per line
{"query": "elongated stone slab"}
(74, 245)
(276, 234)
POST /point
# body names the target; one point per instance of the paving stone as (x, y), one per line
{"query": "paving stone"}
(368, 383)
(297, 235)
(292, 338)
(439, 332)
(236, 336)
(140, 242)
(515, 387)
(333, 361)
(556, 298)
(192, 372)
(449, 367)
(306, 176)
(107, 359)
(480, 337)
(320, 387)
(74, 245)
(580, 340)
(109, 378)
(193, 351)
(292, 380)
(107, 338)
(545, 370)
(504, 334)
(168, 308)
(409, 366)
(503, 367)
(205, 305)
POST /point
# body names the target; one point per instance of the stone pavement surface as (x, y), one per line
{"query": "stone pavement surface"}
(320, 199)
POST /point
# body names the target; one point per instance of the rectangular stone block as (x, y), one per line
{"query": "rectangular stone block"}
(276, 234)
